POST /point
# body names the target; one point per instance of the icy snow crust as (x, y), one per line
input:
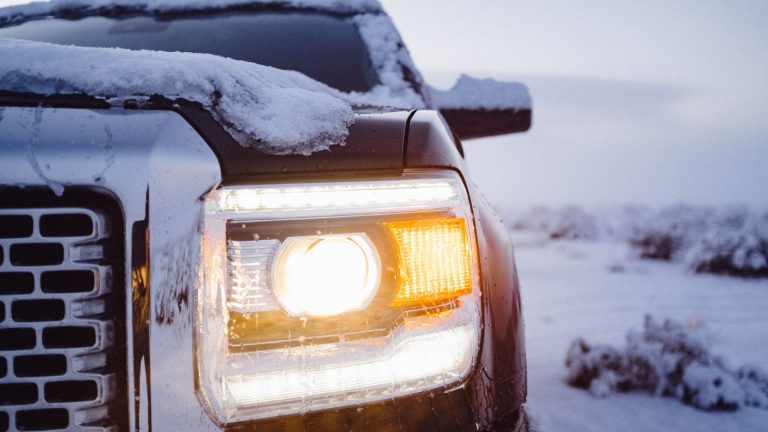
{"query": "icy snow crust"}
(278, 112)
(23, 12)
(488, 94)
(274, 110)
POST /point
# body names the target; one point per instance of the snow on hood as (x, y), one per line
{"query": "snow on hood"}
(489, 94)
(22, 12)
(273, 110)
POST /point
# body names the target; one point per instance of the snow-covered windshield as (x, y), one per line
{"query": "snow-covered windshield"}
(323, 46)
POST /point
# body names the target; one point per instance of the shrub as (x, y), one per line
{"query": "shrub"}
(565, 223)
(666, 234)
(665, 359)
(736, 245)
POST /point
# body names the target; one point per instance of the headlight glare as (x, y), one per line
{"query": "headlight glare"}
(325, 275)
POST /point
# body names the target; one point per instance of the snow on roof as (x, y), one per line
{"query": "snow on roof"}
(270, 109)
(489, 94)
(25, 11)
(390, 58)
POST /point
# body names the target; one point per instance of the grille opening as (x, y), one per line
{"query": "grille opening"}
(38, 310)
(42, 419)
(69, 337)
(40, 365)
(37, 254)
(3, 367)
(13, 339)
(71, 391)
(2, 311)
(16, 283)
(66, 225)
(16, 226)
(18, 394)
(74, 281)
(1, 255)
(90, 220)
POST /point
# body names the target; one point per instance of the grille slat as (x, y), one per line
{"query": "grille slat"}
(59, 360)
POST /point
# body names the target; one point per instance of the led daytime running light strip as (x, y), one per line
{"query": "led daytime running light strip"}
(408, 193)
(436, 357)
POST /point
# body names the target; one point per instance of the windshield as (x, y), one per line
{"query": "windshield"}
(325, 47)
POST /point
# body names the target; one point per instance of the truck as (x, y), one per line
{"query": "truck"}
(162, 269)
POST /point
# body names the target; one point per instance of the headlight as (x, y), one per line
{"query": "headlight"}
(332, 294)
(324, 275)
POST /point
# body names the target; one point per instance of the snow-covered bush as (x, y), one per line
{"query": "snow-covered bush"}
(668, 233)
(736, 245)
(567, 223)
(722, 241)
(666, 359)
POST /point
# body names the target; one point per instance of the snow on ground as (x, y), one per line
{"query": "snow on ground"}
(598, 291)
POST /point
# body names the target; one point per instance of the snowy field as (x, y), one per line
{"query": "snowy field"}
(598, 290)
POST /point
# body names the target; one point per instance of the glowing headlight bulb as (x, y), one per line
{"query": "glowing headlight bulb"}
(326, 275)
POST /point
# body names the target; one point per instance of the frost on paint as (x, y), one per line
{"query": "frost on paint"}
(23, 12)
(487, 94)
(666, 359)
(273, 110)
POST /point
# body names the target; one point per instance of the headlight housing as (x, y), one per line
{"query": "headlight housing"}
(329, 294)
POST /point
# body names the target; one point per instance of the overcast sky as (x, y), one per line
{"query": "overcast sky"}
(653, 102)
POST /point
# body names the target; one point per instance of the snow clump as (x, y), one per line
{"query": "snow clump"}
(666, 359)
(487, 94)
(273, 110)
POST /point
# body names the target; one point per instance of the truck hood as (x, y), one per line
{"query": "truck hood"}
(376, 140)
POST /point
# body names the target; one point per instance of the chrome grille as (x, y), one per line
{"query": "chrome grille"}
(61, 341)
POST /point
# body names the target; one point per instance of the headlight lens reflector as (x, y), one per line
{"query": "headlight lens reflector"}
(330, 294)
(326, 275)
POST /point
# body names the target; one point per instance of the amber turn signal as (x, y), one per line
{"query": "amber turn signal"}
(435, 260)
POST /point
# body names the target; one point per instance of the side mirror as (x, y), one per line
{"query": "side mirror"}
(476, 108)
